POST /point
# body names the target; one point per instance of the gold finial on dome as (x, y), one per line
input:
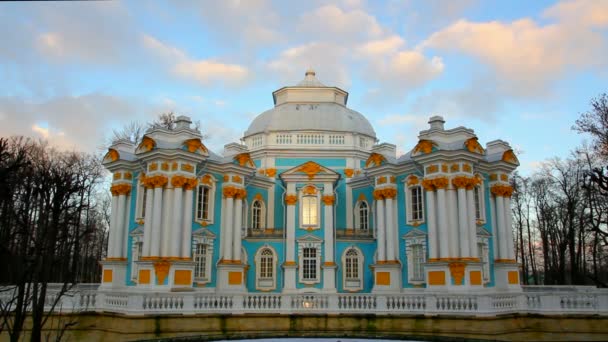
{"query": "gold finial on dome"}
(310, 71)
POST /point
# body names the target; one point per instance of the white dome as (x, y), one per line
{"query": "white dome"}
(310, 106)
(311, 117)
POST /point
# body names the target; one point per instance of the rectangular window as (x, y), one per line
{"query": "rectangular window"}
(352, 271)
(309, 211)
(200, 258)
(416, 204)
(477, 196)
(309, 264)
(202, 203)
(417, 252)
(144, 198)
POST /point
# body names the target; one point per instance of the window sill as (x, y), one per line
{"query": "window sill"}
(204, 223)
(415, 223)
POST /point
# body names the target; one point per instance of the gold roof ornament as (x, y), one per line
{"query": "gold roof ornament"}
(424, 146)
(146, 144)
(510, 157)
(474, 146)
(244, 159)
(195, 146)
(111, 156)
(375, 159)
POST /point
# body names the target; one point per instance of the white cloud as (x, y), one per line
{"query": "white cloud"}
(528, 56)
(43, 132)
(334, 24)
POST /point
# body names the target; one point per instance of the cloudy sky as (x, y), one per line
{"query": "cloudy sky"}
(520, 71)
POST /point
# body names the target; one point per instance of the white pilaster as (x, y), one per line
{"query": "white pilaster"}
(500, 220)
(229, 212)
(510, 252)
(349, 207)
(452, 223)
(125, 227)
(186, 249)
(176, 232)
(380, 230)
(113, 227)
(166, 222)
(156, 222)
(329, 268)
(270, 204)
(442, 219)
(120, 222)
(463, 222)
(236, 233)
(390, 229)
(432, 224)
(290, 231)
(472, 231)
(148, 222)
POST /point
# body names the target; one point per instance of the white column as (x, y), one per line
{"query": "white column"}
(176, 226)
(124, 241)
(442, 219)
(290, 233)
(349, 207)
(494, 222)
(120, 222)
(390, 229)
(452, 223)
(329, 225)
(463, 222)
(166, 222)
(472, 231)
(509, 228)
(228, 228)
(270, 206)
(186, 249)
(500, 220)
(148, 222)
(156, 222)
(112, 233)
(236, 233)
(381, 232)
(432, 224)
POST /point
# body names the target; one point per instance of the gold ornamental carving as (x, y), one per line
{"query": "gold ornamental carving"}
(349, 172)
(440, 182)
(329, 199)
(466, 182)
(509, 157)
(427, 184)
(128, 175)
(174, 166)
(493, 177)
(258, 197)
(455, 168)
(178, 181)
(117, 176)
(504, 178)
(226, 178)
(229, 192)
(457, 272)
(111, 156)
(501, 190)
(381, 180)
(375, 159)
(389, 193)
(161, 269)
(393, 179)
(236, 179)
(424, 146)
(164, 166)
(187, 168)
(244, 159)
(190, 184)
(206, 179)
(195, 145)
(240, 193)
(412, 180)
(153, 167)
(473, 146)
(466, 168)
(291, 199)
(444, 168)
(270, 172)
(146, 144)
(432, 169)
(362, 197)
(120, 189)
(310, 169)
(155, 181)
(309, 190)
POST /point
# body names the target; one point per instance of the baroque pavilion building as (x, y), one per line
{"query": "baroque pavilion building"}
(310, 203)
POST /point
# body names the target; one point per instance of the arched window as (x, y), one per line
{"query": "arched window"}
(362, 216)
(204, 199)
(309, 207)
(265, 269)
(352, 265)
(257, 215)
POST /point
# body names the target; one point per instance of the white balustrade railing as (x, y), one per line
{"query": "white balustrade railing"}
(575, 300)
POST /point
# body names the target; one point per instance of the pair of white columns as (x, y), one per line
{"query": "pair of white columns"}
(502, 208)
(233, 220)
(437, 217)
(168, 225)
(467, 224)
(386, 231)
(119, 221)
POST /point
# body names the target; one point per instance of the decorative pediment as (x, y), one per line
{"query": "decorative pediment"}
(472, 145)
(375, 159)
(195, 146)
(244, 159)
(413, 234)
(111, 156)
(509, 157)
(481, 231)
(146, 144)
(137, 231)
(424, 146)
(309, 238)
(310, 170)
(203, 233)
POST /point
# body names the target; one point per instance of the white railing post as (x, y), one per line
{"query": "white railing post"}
(381, 306)
(285, 303)
(332, 304)
(237, 303)
(550, 302)
(484, 304)
(602, 302)
(189, 303)
(135, 303)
